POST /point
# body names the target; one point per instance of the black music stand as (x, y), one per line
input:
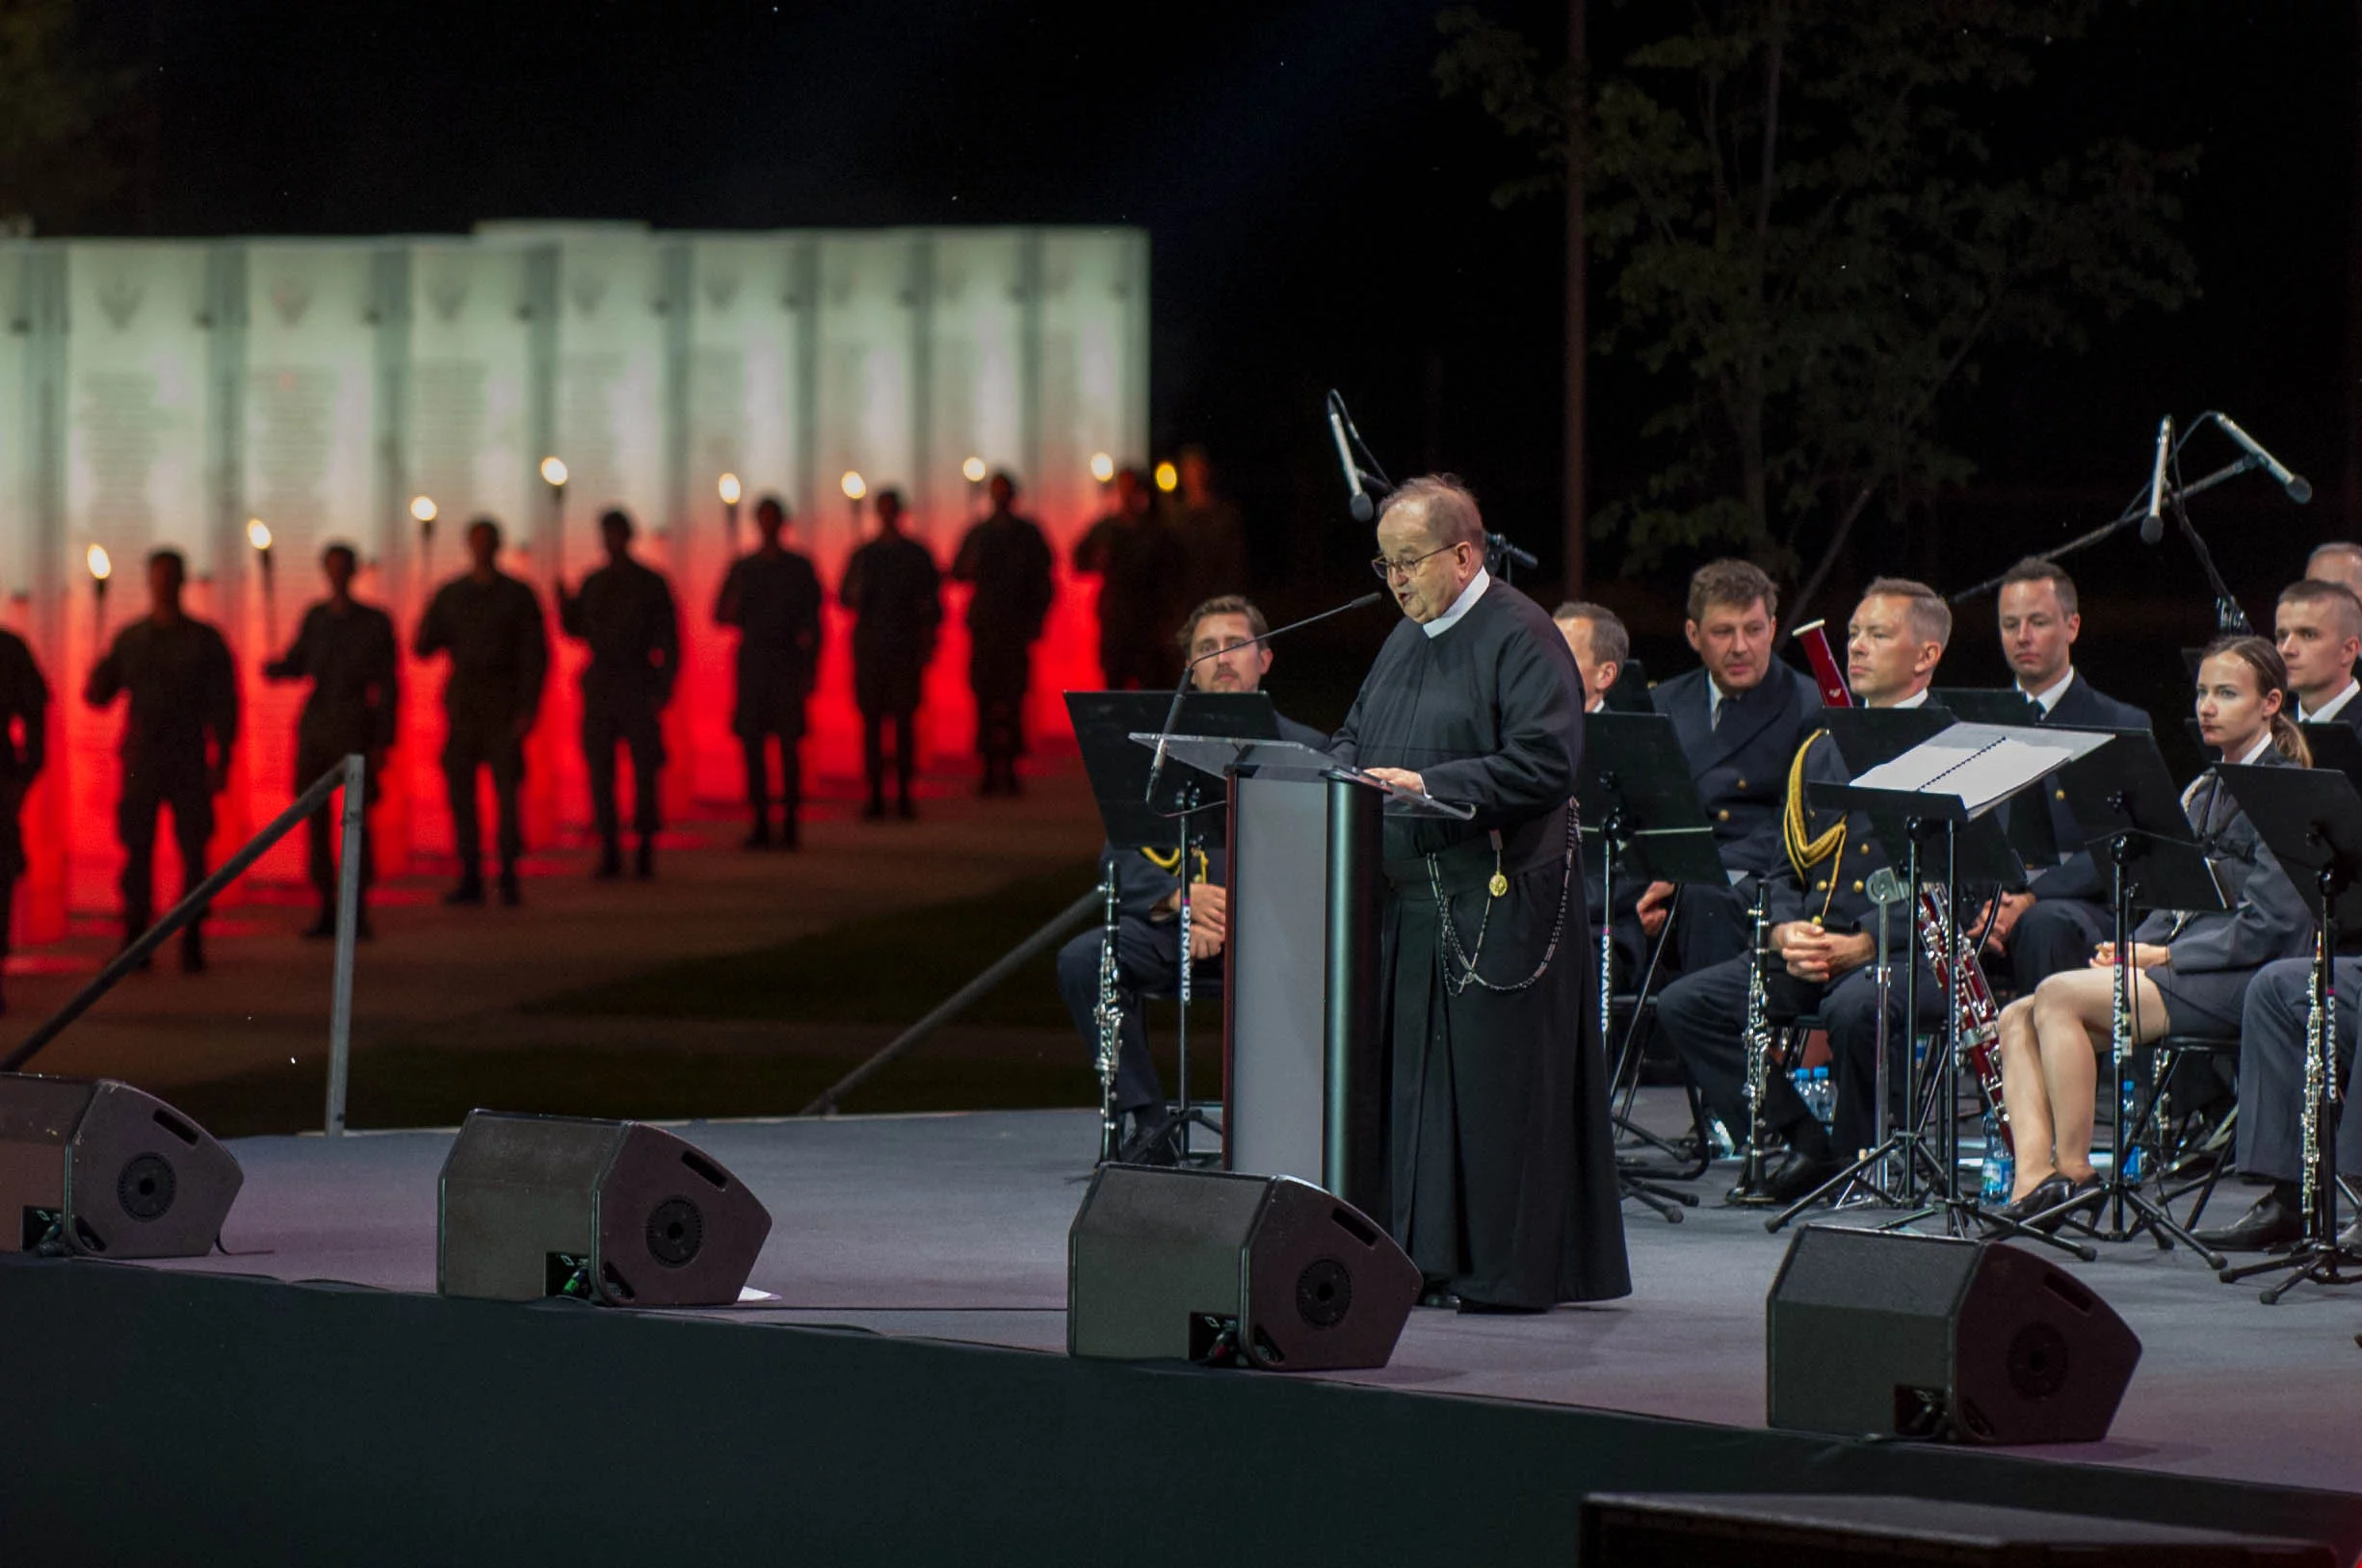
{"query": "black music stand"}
(2335, 744)
(2311, 819)
(2125, 803)
(2027, 819)
(1637, 786)
(1104, 723)
(1939, 797)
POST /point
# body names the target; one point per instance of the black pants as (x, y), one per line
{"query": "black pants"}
(504, 753)
(998, 673)
(189, 792)
(2054, 936)
(606, 726)
(326, 829)
(1704, 1015)
(905, 751)
(758, 747)
(1148, 960)
(1710, 925)
(2272, 1068)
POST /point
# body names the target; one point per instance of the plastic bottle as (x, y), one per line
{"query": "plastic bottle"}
(2128, 1115)
(1999, 1167)
(1824, 1096)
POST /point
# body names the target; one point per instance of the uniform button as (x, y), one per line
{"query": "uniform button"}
(2062, 794)
(1818, 886)
(1857, 887)
(1743, 783)
(1722, 815)
(1865, 848)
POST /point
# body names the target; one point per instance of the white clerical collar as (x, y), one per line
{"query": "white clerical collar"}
(2329, 709)
(2048, 697)
(1468, 595)
(2262, 741)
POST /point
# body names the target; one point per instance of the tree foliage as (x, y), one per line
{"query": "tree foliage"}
(61, 152)
(1811, 241)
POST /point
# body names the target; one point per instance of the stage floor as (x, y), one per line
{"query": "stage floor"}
(952, 1227)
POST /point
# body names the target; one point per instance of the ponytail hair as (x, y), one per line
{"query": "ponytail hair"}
(2270, 672)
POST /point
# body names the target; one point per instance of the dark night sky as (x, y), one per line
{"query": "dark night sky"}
(1321, 216)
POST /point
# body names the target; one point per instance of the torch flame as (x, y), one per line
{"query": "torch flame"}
(553, 472)
(1102, 467)
(257, 534)
(853, 485)
(422, 507)
(96, 557)
(974, 469)
(730, 490)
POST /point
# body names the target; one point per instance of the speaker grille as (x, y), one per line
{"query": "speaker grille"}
(1324, 1292)
(146, 1187)
(675, 1233)
(2039, 1361)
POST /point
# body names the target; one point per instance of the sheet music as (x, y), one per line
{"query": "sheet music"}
(1980, 765)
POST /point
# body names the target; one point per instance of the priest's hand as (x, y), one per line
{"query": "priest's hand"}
(1402, 778)
(1656, 903)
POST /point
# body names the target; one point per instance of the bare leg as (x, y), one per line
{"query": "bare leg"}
(2028, 1098)
(2071, 1016)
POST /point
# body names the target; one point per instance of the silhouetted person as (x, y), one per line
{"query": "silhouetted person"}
(24, 714)
(1008, 560)
(490, 624)
(1139, 564)
(1211, 534)
(347, 650)
(895, 593)
(625, 612)
(772, 597)
(176, 741)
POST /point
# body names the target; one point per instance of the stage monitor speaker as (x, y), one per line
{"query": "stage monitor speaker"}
(1706, 1529)
(1891, 1334)
(97, 1167)
(618, 1213)
(1209, 1266)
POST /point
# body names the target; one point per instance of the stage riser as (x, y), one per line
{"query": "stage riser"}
(161, 1416)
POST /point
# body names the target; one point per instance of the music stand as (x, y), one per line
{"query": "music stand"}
(1944, 792)
(2027, 819)
(1637, 786)
(1104, 723)
(2311, 821)
(2128, 809)
(2336, 746)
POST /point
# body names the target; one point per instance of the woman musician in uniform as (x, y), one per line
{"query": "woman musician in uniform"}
(2190, 970)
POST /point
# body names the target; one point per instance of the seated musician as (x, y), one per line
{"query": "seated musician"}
(1597, 637)
(2059, 920)
(1823, 928)
(2319, 628)
(2191, 971)
(1148, 945)
(2338, 562)
(1739, 716)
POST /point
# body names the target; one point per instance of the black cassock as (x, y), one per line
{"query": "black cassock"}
(1502, 1169)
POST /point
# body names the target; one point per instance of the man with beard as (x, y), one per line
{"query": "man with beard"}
(1501, 1169)
(1148, 894)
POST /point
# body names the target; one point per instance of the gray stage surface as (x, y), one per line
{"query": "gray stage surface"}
(952, 1227)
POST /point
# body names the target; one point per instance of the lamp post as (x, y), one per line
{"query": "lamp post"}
(553, 475)
(259, 535)
(854, 487)
(973, 471)
(101, 568)
(731, 492)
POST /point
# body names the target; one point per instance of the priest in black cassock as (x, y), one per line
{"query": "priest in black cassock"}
(1502, 1171)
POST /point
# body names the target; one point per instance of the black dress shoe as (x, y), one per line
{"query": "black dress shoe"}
(512, 891)
(322, 929)
(1439, 1294)
(2273, 1221)
(1798, 1174)
(2049, 1193)
(469, 892)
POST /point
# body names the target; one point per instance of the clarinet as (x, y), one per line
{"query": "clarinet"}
(1758, 1041)
(2320, 1025)
(1109, 1016)
(1979, 1020)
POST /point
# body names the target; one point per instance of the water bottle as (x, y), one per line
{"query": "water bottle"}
(1724, 1146)
(2129, 1154)
(1824, 1096)
(1999, 1167)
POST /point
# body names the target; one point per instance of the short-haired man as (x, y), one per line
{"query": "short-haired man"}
(1221, 634)
(2319, 628)
(2338, 562)
(1823, 926)
(1502, 1167)
(1740, 716)
(2056, 922)
(1600, 645)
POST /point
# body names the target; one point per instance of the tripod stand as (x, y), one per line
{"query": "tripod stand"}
(2312, 820)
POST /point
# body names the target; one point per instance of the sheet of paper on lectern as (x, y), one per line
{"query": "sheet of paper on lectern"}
(1981, 765)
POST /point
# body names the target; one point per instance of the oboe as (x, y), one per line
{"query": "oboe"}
(1108, 1015)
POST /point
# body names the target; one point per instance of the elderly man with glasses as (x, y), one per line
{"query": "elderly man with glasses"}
(1501, 1170)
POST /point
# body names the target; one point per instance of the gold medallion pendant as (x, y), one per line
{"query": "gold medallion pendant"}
(1498, 886)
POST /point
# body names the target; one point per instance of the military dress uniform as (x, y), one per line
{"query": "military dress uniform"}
(625, 612)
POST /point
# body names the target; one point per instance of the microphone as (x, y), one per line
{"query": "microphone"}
(2153, 526)
(2298, 489)
(1515, 555)
(1173, 714)
(1360, 505)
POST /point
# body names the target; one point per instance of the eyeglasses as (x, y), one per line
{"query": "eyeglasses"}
(1388, 570)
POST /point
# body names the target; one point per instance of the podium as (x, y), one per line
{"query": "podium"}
(1304, 1080)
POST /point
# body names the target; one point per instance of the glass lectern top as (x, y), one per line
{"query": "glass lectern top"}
(1220, 755)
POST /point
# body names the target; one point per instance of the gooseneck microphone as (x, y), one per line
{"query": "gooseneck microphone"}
(1173, 714)
(2153, 526)
(2298, 489)
(1360, 503)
